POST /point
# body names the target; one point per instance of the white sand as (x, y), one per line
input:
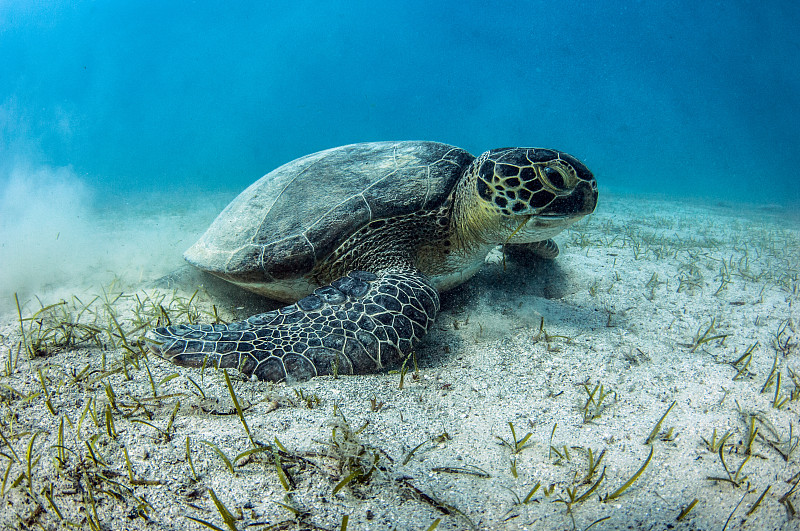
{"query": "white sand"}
(623, 306)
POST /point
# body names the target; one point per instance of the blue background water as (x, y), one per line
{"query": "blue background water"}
(680, 98)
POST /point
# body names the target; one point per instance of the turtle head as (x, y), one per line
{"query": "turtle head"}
(536, 192)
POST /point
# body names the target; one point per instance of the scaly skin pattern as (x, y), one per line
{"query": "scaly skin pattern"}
(360, 323)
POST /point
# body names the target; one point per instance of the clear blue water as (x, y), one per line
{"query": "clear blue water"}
(680, 98)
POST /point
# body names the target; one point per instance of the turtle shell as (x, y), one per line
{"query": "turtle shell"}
(296, 215)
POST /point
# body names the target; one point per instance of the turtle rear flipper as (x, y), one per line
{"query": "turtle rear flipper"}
(360, 323)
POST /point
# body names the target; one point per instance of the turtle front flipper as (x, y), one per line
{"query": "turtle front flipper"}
(360, 323)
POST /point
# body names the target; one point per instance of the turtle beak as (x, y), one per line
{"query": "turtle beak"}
(580, 202)
(541, 227)
(560, 214)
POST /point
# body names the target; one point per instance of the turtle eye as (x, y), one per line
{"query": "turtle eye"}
(555, 177)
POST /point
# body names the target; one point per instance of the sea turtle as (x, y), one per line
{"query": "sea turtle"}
(364, 237)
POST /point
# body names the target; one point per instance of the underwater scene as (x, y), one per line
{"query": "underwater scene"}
(399, 265)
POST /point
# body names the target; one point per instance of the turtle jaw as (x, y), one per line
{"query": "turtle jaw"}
(557, 216)
(540, 228)
(580, 202)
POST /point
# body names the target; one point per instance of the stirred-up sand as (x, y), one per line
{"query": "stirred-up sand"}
(660, 346)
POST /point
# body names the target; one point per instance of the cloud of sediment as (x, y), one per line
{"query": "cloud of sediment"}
(45, 230)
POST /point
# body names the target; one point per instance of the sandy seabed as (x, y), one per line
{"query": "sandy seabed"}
(653, 307)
